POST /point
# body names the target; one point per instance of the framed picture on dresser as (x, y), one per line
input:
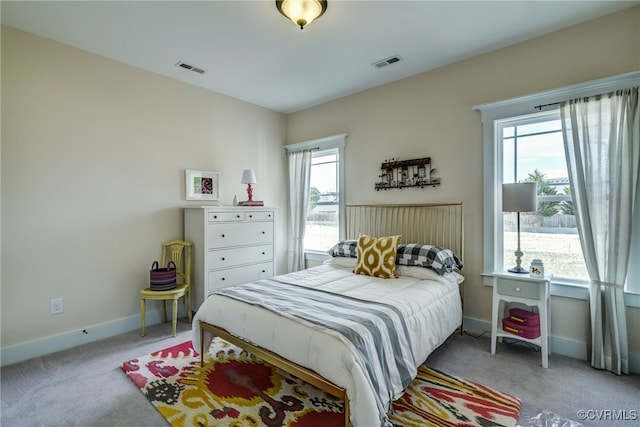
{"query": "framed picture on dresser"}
(201, 185)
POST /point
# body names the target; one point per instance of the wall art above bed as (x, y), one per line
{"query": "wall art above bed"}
(401, 174)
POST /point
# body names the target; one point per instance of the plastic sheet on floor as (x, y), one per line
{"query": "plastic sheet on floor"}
(540, 418)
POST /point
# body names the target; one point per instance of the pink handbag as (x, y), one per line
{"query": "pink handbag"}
(162, 279)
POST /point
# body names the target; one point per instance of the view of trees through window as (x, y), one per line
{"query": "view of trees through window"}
(533, 151)
(321, 231)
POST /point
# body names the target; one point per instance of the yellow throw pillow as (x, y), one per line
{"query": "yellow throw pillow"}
(377, 256)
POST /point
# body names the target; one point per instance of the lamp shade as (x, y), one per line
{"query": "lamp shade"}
(519, 197)
(301, 12)
(248, 177)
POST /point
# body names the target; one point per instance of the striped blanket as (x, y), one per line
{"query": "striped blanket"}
(376, 333)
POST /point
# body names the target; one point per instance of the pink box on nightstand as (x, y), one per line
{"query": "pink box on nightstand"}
(524, 317)
(523, 326)
(530, 332)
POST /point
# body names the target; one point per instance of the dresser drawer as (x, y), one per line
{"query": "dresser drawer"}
(231, 245)
(230, 257)
(258, 216)
(219, 279)
(220, 235)
(225, 216)
(518, 289)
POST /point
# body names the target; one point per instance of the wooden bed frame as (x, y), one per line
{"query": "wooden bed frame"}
(440, 224)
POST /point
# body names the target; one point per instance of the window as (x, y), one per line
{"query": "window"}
(323, 212)
(532, 151)
(325, 209)
(510, 128)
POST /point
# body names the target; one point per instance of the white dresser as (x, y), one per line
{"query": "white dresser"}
(231, 245)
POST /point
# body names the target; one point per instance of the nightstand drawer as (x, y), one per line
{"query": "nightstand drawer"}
(518, 289)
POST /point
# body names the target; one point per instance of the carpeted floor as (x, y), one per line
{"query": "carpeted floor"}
(85, 386)
(551, 397)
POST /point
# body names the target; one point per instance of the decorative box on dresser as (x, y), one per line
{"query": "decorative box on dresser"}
(231, 245)
(524, 290)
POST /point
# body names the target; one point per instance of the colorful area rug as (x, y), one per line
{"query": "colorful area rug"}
(234, 389)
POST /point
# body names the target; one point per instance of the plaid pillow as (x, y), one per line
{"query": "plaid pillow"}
(436, 258)
(344, 248)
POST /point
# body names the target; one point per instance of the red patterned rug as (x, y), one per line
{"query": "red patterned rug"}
(235, 389)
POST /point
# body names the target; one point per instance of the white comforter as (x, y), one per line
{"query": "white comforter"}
(430, 302)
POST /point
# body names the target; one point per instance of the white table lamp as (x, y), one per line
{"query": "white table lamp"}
(519, 197)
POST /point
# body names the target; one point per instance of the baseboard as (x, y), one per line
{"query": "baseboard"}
(559, 345)
(30, 349)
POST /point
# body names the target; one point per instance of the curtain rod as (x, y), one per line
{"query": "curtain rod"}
(541, 106)
(301, 149)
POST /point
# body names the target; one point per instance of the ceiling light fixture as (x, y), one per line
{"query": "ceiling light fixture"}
(301, 12)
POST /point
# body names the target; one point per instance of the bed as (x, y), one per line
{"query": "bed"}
(419, 309)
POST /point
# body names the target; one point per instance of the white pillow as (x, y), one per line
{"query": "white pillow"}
(402, 270)
(342, 262)
(427, 274)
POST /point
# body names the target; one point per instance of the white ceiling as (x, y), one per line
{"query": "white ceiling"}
(251, 52)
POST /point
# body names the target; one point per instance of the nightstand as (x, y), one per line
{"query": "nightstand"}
(532, 292)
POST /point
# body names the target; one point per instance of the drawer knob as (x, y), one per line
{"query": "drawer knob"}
(264, 271)
(517, 289)
(250, 216)
(237, 216)
(263, 253)
(215, 216)
(223, 235)
(222, 279)
(264, 232)
(222, 258)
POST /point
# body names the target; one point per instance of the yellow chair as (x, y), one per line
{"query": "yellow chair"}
(179, 252)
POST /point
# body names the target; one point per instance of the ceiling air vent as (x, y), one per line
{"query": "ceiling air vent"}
(387, 61)
(189, 67)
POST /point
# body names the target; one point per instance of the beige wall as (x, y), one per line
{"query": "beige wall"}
(431, 115)
(93, 153)
(93, 159)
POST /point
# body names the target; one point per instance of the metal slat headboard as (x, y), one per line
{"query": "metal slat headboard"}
(440, 224)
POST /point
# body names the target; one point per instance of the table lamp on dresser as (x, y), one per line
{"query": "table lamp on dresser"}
(248, 177)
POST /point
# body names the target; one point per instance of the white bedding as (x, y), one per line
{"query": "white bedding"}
(431, 304)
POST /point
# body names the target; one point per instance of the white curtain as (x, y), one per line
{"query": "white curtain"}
(602, 146)
(299, 177)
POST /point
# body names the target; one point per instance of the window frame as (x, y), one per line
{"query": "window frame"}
(320, 152)
(338, 142)
(491, 115)
(500, 124)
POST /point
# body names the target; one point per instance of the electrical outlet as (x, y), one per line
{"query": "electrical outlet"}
(56, 306)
